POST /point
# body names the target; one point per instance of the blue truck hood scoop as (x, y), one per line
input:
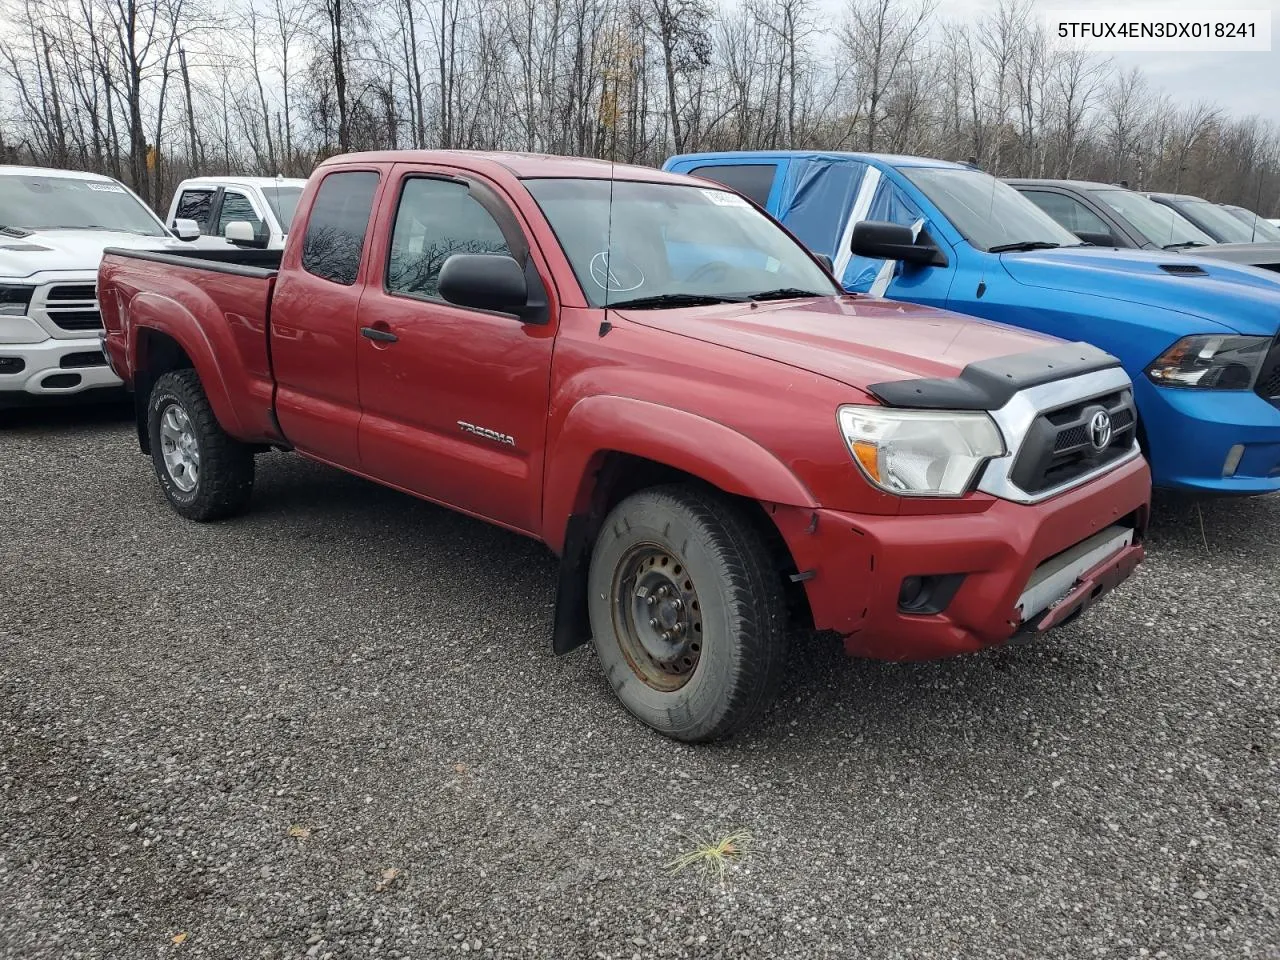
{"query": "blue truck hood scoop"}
(1241, 299)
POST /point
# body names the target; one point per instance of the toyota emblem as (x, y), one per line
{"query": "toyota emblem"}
(1100, 430)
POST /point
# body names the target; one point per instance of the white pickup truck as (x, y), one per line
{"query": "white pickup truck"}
(214, 203)
(54, 225)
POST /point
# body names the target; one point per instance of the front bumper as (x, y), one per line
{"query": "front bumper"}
(853, 566)
(1190, 434)
(53, 368)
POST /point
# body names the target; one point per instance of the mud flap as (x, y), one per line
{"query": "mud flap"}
(140, 399)
(572, 627)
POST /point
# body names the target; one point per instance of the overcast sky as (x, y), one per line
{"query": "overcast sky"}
(1243, 83)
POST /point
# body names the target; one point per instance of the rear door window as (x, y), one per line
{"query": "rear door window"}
(195, 205)
(752, 180)
(236, 206)
(338, 224)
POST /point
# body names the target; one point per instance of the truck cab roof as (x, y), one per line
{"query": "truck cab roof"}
(876, 159)
(243, 182)
(1068, 184)
(523, 166)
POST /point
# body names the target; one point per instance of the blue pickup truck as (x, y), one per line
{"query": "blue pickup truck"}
(1197, 336)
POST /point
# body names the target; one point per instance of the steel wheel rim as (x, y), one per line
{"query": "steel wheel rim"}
(179, 447)
(657, 616)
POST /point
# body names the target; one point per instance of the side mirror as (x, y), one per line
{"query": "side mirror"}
(484, 281)
(1096, 239)
(186, 229)
(242, 234)
(823, 259)
(892, 241)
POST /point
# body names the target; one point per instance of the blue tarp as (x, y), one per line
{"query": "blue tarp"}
(816, 200)
(891, 205)
(817, 195)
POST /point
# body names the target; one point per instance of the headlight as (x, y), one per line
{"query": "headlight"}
(929, 453)
(1211, 362)
(14, 300)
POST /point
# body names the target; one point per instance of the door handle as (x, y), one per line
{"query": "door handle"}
(382, 336)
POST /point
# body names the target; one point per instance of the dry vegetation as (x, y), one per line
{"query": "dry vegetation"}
(154, 90)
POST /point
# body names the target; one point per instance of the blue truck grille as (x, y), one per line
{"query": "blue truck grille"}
(1059, 447)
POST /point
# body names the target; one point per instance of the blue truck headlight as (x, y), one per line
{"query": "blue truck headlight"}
(1211, 362)
(14, 299)
(923, 453)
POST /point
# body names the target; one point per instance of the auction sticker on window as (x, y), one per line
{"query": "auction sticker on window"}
(104, 187)
(1161, 28)
(725, 199)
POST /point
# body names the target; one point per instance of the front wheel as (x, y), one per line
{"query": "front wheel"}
(687, 612)
(204, 473)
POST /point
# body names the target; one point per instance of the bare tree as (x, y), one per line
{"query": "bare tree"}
(272, 87)
(881, 38)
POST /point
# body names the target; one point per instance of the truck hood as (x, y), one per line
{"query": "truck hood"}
(1253, 254)
(853, 340)
(1237, 298)
(67, 250)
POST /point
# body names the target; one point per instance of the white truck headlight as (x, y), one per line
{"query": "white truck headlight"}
(14, 299)
(923, 453)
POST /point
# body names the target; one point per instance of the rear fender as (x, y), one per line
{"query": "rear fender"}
(152, 312)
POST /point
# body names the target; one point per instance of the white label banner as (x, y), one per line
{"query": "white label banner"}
(1160, 28)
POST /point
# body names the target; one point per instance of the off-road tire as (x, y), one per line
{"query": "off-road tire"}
(225, 479)
(743, 613)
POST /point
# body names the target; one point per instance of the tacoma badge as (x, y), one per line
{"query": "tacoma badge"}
(488, 434)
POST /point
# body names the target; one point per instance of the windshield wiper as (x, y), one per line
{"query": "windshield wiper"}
(1184, 244)
(674, 300)
(14, 231)
(787, 293)
(1025, 245)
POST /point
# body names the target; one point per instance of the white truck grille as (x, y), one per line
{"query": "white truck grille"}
(67, 309)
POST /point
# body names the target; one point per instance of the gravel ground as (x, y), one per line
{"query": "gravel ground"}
(334, 728)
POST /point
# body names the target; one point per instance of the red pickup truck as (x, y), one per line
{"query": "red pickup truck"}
(654, 378)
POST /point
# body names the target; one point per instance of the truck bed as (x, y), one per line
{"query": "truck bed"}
(230, 260)
(215, 305)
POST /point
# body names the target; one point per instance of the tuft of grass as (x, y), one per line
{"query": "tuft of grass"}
(712, 858)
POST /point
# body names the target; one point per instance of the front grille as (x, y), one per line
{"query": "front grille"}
(12, 364)
(1078, 435)
(1059, 447)
(73, 306)
(76, 319)
(1268, 385)
(85, 358)
(73, 291)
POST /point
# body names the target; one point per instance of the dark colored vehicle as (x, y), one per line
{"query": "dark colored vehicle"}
(652, 377)
(1262, 228)
(1109, 216)
(1218, 223)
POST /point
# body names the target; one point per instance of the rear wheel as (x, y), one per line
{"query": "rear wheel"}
(687, 612)
(204, 473)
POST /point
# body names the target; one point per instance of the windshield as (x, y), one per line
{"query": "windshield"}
(1159, 224)
(1261, 229)
(68, 203)
(283, 201)
(987, 212)
(670, 242)
(1216, 221)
